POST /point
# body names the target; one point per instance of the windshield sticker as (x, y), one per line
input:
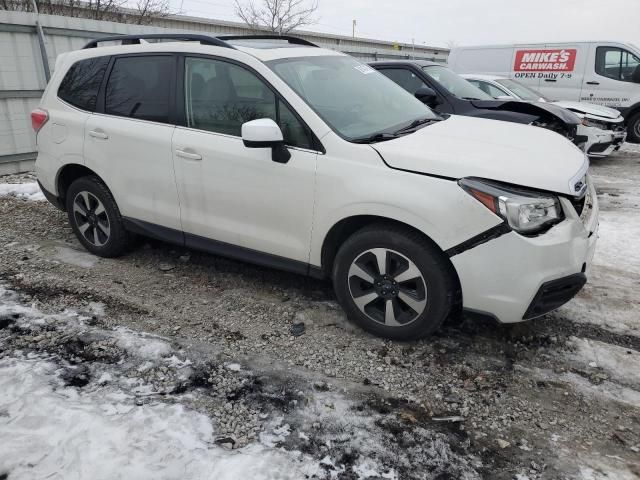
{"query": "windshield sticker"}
(544, 60)
(364, 69)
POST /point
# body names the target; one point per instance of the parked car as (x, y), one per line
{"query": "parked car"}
(605, 73)
(602, 126)
(446, 92)
(280, 153)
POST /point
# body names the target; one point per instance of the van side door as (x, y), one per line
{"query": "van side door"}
(612, 77)
(560, 68)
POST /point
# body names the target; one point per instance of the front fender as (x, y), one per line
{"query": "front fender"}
(437, 207)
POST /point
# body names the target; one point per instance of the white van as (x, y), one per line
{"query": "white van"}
(606, 73)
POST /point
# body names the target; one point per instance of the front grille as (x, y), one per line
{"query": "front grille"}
(554, 294)
(600, 147)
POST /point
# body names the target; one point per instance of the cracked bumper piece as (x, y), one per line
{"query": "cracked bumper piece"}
(514, 278)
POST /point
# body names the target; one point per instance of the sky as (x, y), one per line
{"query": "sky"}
(462, 22)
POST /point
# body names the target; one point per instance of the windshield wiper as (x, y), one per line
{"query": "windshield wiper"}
(376, 137)
(417, 123)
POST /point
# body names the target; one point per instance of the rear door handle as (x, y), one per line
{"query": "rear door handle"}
(550, 80)
(98, 134)
(593, 83)
(188, 155)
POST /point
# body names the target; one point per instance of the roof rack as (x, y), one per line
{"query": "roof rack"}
(182, 37)
(287, 38)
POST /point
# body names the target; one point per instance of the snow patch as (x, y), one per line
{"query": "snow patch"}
(619, 363)
(52, 431)
(25, 191)
(142, 345)
(75, 257)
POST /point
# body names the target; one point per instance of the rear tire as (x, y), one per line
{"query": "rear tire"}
(633, 128)
(393, 282)
(95, 218)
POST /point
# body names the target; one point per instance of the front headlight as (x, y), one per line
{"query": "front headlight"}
(526, 211)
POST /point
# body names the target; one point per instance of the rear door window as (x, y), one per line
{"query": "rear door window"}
(81, 84)
(140, 87)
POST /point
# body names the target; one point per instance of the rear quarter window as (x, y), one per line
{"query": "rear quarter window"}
(80, 85)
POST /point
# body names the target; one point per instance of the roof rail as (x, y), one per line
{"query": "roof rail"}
(182, 37)
(288, 38)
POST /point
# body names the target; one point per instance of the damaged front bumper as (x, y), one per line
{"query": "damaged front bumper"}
(514, 278)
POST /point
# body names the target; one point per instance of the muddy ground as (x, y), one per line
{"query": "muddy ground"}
(555, 398)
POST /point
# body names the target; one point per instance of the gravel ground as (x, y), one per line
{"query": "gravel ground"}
(556, 398)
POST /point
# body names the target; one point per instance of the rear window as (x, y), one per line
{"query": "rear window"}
(80, 85)
(140, 87)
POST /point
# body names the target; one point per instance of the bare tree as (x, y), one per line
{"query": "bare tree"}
(111, 10)
(276, 16)
(147, 10)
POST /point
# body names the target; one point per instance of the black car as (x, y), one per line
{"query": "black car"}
(447, 92)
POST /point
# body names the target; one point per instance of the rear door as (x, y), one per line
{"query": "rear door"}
(129, 142)
(612, 77)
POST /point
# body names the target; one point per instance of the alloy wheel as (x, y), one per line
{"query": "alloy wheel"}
(91, 218)
(387, 287)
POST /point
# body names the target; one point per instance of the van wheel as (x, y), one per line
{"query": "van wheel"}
(633, 129)
(393, 282)
(95, 217)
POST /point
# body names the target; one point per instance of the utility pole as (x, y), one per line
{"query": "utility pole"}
(43, 48)
(353, 29)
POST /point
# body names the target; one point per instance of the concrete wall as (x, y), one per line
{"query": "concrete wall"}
(23, 79)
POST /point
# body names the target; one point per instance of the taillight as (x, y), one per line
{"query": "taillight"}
(38, 118)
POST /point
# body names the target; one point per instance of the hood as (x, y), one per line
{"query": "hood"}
(540, 109)
(597, 111)
(461, 147)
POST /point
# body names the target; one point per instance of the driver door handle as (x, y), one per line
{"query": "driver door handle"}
(188, 155)
(593, 83)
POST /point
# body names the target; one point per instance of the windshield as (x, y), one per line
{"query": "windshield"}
(353, 99)
(523, 92)
(455, 84)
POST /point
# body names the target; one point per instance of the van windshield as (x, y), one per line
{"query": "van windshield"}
(355, 101)
(523, 92)
(455, 84)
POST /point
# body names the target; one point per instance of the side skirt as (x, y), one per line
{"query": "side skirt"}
(222, 249)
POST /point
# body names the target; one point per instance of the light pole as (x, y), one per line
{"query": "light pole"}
(353, 29)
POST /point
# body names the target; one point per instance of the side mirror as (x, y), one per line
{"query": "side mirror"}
(427, 95)
(265, 133)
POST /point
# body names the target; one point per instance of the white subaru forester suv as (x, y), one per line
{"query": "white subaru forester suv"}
(277, 152)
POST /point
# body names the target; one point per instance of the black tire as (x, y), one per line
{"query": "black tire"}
(633, 128)
(92, 188)
(438, 276)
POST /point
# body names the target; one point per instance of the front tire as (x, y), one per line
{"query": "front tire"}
(393, 282)
(95, 218)
(633, 128)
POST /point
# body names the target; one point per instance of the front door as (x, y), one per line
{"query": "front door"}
(233, 195)
(612, 78)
